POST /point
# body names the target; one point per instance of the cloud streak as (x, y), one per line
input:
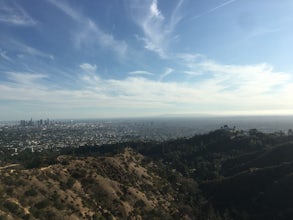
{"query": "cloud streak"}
(27, 79)
(13, 14)
(167, 72)
(3, 55)
(213, 9)
(88, 67)
(140, 72)
(157, 28)
(89, 34)
(31, 51)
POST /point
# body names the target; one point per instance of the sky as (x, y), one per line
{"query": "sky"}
(136, 58)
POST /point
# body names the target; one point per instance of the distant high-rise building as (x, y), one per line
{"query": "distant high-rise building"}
(40, 122)
(47, 122)
(30, 122)
(22, 123)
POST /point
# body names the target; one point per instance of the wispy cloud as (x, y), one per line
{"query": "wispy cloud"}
(88, 67)
(12, 13)
(25, 80)
(154, 11)
(157, 28)
(193, 73)
(167, 72)
(259, 32)
(214, 9)
(24, 49)
(3, 55)
(246, 80)
(237, 88)
(89, 33)
(140, 72)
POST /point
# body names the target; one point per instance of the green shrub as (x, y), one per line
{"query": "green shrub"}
(31, 192)
(43, 204)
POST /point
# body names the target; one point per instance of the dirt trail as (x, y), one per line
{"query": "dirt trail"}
(9, 166)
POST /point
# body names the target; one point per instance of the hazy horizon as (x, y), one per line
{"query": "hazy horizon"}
(164, 116)
(194, 125)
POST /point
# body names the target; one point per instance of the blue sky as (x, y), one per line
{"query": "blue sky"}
(132, 58)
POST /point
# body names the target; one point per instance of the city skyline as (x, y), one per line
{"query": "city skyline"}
(130, 58)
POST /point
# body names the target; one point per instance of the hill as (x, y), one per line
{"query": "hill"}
(224, 174)
(121, 186)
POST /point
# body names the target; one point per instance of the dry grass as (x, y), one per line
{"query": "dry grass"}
(83, 188)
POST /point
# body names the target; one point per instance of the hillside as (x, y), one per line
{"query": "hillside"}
(104, 187)
(225, 174)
